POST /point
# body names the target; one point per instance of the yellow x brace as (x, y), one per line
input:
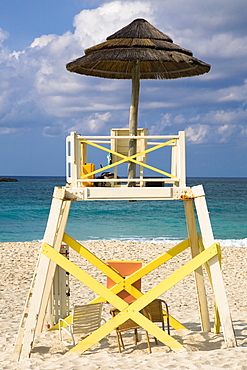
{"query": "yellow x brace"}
(127, 311)
(127, 159)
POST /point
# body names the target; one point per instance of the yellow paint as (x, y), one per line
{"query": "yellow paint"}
(129, 311)
(127, 159)
(86, 169)
(157, 262)
(175, 277)
(158, 333)
(83, 276)
(128, 281)
(126, 311)
(90, 257)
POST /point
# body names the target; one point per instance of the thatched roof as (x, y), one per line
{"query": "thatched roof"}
(159, 57)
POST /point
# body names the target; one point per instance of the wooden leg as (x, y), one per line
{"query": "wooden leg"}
(119, 338)
(34, 312)
(214, 266)
(135, 336)
(149, 346)
(194, 246)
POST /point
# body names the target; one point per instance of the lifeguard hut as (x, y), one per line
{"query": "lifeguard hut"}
(131, 147)
(44, 306)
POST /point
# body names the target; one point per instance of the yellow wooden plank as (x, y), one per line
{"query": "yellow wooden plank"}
(94, 260)
(106, 269)
(174, 278)
(216, 309)
(126, 159)
(157, 332)
(157, 291)
(102, 332)
(129, 280)
(115, 289)
(84, 277)
(175, 324)
(157, 262)
(124, 315)
(137, 275)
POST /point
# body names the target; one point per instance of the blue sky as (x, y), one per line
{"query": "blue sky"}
(41, 102)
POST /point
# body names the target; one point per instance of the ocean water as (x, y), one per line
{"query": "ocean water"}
(25, 207)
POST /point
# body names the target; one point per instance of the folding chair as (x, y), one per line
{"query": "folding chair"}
(85, 319)
(128, 325)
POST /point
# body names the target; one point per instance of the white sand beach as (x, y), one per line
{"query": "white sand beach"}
(203, 350)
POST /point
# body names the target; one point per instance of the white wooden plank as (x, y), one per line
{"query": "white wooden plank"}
(214, 265)
(45, 272)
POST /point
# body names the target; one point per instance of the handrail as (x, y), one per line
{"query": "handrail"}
(77, 156)
(80, 137)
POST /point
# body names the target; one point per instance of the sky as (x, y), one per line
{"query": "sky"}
(41, 102)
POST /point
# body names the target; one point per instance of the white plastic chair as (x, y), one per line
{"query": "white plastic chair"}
(85, 319)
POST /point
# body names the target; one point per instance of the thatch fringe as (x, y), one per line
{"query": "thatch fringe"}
(138, 43)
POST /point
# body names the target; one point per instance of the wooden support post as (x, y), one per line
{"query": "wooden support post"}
(194, 246)
(214, 266)
(216, 311)
(34, 313)
(133, 119)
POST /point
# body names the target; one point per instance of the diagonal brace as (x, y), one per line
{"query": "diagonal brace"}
(128, 311)
(127, 159)
(125, 284)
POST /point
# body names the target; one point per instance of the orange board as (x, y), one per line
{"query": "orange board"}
(125, 268)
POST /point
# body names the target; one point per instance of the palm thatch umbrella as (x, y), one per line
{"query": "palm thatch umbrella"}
(138, 51)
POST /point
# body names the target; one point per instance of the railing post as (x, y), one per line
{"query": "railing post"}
(181, 168)
(75, 159)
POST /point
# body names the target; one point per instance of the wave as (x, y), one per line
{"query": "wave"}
(168, 240)
(232, 242)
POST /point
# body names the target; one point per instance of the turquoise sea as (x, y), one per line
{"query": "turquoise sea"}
(25, 207)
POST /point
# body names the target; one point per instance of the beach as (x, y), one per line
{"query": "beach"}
(203, 350)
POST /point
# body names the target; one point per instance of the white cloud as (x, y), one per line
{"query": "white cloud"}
(93, 26)
(39, 73)
(3, 36)
(43, 41)
(93, 123)
(225, 132)
(224, 45)
(234, 93)
(37, 87)
(197, 134)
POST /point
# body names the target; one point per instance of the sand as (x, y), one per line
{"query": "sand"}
(203, 350)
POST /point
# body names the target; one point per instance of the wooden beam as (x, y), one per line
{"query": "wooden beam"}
(126, 311)
(199, 279)
(34, 312)
(214, 266)
(133, 118)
